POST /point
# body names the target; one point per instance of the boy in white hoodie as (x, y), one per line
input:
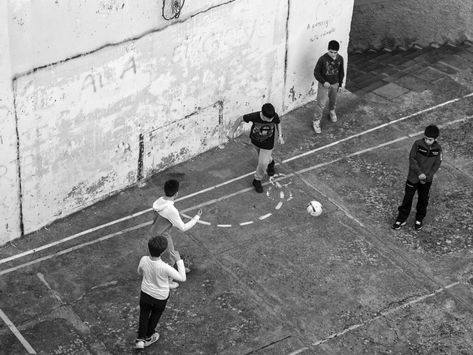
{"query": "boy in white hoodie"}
(166, 215)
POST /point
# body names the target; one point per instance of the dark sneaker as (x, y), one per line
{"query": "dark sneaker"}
(258, 186)
(152, 339)
(418, 225)
(270, 169)
(398, 224)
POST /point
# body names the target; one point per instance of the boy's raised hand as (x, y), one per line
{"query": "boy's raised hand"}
(175, 255)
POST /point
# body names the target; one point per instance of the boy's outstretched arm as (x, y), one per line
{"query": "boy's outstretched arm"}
(280, 135)
(173, 216)
(139, 270)
(235, 126)
(180, 274)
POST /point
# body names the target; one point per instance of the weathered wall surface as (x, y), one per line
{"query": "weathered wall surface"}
(310, 28)
(92, 124)
(51, 31)
(10, 214)
(378, 23)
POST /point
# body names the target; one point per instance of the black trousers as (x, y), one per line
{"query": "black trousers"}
(422, 200)
(151, 310)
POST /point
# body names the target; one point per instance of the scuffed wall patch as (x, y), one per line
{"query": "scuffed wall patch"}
(180, 140)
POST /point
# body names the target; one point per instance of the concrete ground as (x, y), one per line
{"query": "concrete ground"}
(267, 278)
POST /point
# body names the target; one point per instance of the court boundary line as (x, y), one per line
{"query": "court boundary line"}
(108, 236)
(17, 333)
(390, 311)
(90, 230)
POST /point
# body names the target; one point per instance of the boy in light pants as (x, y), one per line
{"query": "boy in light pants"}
(329, 73)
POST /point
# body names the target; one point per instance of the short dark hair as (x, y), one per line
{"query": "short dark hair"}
(171, 187)
(157, 245)
(268, 110)
(333, 45)
(432, 131)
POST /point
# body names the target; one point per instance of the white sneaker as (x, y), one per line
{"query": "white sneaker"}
(139, 344)
(333, 116)
(152, 339)
(173, 284)
(316, 126)
(187, 270)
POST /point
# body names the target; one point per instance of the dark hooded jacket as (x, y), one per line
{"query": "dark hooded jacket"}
(425, 159)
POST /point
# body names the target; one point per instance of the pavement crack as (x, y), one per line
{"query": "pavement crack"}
(254, 351)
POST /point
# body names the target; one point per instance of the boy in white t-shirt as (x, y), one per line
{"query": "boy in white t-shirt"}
(167, 215)
(155, 288)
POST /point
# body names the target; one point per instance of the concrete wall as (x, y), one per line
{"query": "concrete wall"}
(10, 212)
(108, 92)
(383, 23)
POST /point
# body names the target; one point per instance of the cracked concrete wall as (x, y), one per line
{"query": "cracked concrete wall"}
(379, 24)
(94, 123)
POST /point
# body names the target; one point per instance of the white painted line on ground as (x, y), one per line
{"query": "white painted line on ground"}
(246, 223)
(281, 194)
(204, 222)
(385, 313)
(279, 205)
(88, 231)
(377, 127)
(46, 246)
(15, 331)
(224, 225)
(301, 350)
(68, 250)
(265, 216)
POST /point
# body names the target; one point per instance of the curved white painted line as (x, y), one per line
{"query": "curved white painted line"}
(68, 250)
(265, 216)
(246, 223)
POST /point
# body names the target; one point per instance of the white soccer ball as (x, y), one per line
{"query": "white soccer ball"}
(314, 208)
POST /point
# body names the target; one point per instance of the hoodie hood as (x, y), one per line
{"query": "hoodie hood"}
(161, 204)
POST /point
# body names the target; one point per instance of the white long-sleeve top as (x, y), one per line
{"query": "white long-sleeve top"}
(165, 208)
(156, 274)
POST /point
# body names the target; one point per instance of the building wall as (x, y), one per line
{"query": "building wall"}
(383, 23)
(109, 92)
(10, 212)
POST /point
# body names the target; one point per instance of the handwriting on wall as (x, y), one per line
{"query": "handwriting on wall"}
(321, 29)
(96, 81)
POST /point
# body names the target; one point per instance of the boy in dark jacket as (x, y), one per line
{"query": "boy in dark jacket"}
(329, 73)
(424, 161)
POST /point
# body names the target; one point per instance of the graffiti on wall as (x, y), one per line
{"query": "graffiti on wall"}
(172, 9)
(81, 122)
